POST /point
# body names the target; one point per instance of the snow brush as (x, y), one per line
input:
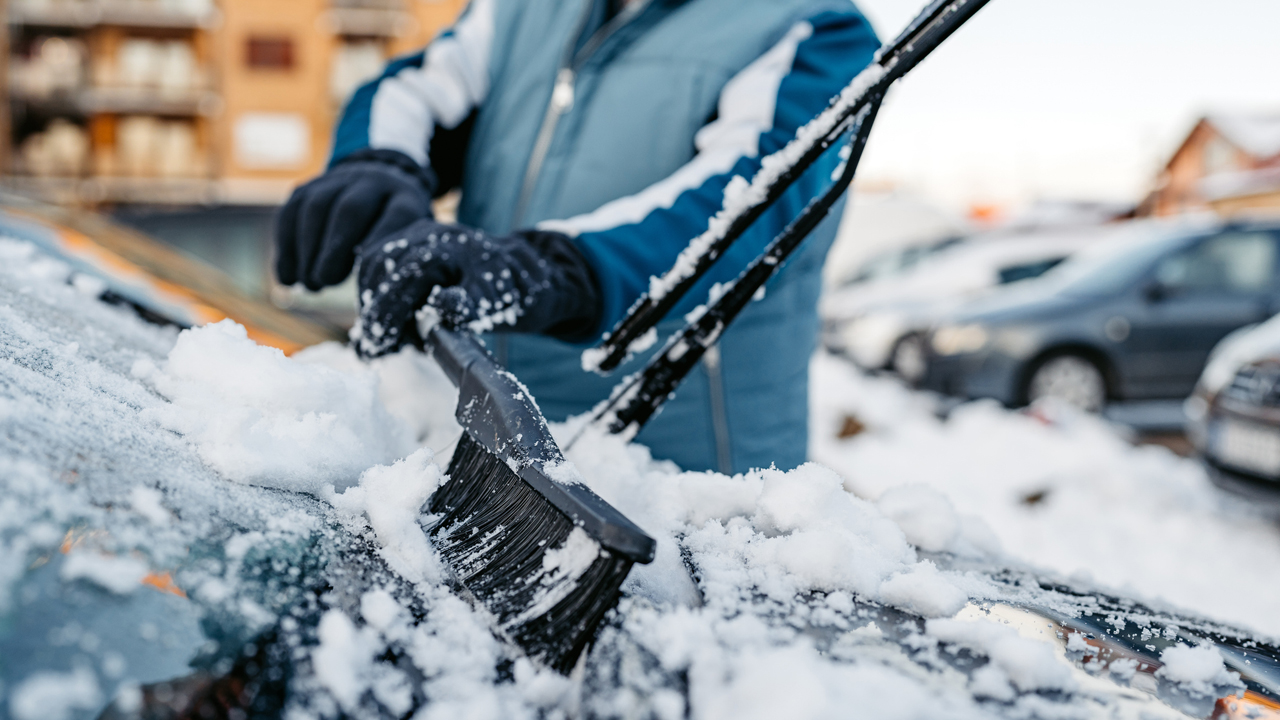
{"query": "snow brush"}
(851, 114)
(538, 549)
(545, 555)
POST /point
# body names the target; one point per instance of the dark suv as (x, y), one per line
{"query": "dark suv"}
(1135, 320)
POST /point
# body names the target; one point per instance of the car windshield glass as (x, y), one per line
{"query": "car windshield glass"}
(1109, 270)
(1233, 262)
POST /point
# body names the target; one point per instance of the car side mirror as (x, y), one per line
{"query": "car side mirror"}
(1155, 291)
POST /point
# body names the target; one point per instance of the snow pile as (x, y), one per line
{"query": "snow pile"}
(1015, 661)
(258, 417)
(411, 385)
(120, 575)
(344, 660)
(1198, 670)
(781, 533)
(55, 696)
(393, 500)
(1060, 490)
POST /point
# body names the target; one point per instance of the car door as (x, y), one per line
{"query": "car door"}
(1190, 300)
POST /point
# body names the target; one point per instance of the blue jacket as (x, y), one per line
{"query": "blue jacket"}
(622, 132)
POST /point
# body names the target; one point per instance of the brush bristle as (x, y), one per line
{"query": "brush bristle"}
(495, 535)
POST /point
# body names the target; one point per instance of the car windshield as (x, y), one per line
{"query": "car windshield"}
(1110, 269)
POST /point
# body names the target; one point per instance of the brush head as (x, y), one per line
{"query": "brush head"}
(546, 556)
(548, 583)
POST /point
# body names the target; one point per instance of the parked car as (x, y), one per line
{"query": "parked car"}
(1233, 417)
(1135, 320)
(879, 321)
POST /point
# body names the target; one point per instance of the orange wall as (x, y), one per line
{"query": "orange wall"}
(304, 90)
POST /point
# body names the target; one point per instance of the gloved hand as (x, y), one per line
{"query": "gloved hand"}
(529, 281)
(369, 194)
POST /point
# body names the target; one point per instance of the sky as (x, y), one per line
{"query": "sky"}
(1066, 99)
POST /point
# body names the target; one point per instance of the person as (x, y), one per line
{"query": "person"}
(591, 140)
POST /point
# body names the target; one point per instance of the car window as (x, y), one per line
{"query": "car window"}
(1027, 271)
(1233, 262)
(1109, 270)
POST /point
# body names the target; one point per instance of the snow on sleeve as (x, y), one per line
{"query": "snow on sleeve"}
(1198, 670)
(259, 417)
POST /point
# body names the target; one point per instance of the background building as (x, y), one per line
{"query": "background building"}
(1227, 163)
(169, 111)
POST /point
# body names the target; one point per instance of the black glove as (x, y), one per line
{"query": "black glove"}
(369, 194)
(530, 281)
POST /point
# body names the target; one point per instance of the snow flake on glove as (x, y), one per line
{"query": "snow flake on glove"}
(399, 277)
(528, 282)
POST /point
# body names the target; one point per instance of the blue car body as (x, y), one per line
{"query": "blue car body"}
(1146, 315)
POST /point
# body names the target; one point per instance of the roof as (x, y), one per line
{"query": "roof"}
(1258, 135)
(1240, 183)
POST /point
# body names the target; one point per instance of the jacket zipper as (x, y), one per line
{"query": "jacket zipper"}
(719, 415)
(562, 96)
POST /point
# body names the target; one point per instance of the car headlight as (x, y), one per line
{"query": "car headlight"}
(957, 339)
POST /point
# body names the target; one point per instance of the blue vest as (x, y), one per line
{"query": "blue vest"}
(641, 93)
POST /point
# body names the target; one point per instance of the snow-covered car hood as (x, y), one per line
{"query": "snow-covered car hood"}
(194, 515)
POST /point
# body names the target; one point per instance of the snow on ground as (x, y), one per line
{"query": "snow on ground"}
(1059, 490)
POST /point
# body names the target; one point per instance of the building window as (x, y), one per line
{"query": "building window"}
(269, 53)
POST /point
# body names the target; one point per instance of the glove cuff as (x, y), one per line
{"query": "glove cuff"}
(582, 304)
(396, 159)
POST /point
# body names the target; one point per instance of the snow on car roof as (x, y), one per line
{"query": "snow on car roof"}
(143, 559)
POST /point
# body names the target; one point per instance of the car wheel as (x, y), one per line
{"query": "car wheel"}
(1070, 378)
(909, 360)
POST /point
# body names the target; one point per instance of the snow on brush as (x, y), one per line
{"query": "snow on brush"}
(1053, 488)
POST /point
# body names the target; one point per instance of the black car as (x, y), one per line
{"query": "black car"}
(1133, 321)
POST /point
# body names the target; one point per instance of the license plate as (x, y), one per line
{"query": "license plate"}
(1255, 448)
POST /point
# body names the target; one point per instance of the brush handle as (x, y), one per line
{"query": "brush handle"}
(498, 412)
(932, 26)
(642, 395)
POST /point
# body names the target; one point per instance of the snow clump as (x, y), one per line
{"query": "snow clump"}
(120, 575)
(1015, 661)
(1197, 670)
(393, 498)
(55, 696)
(261, 418)
(781, 533)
